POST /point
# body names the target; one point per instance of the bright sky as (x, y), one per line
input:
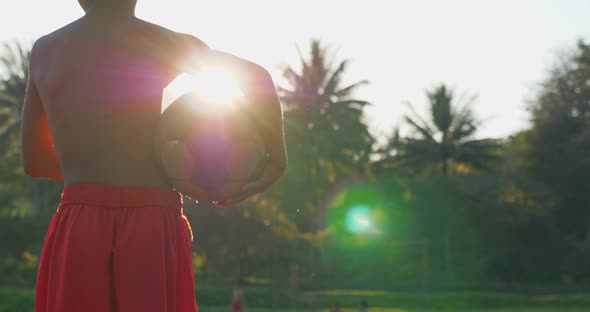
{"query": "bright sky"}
(497, 49)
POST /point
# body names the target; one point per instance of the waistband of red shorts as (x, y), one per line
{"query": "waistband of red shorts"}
(120, 196)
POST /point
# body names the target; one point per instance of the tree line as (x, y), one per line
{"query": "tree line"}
(503, 211)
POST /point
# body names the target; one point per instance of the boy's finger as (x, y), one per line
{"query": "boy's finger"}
(270, 175)
(248, 190)
(257, 186)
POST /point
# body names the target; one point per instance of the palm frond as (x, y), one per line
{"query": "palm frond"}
(464, 123)
(479, 154)
(441, 100)
(418, 154)
(317, 65)
(464, 111)
(6, 99)
(15, 60)
(424, 130)
(395, 141)
(292, 77)
(462, 129)
(348, 89)
(334, 80)
(415, 115)
(6, 126)
(353, 103)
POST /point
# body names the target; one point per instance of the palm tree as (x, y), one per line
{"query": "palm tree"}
(445, 141)
(14, 61)
(326, 136)
(447, 138)
(323, 120)
(319, 109)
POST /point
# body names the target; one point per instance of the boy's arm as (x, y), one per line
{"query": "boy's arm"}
(192, 52)
(259, 90)
(38, 153)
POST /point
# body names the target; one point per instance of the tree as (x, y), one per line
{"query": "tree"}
(559, 140)
(446, 140)
(511, 212)
(15, 63)
(318, 106)
(326, 139)
(325, 134)
(14, 60)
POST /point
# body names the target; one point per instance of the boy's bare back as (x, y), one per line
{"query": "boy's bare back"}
(105, 80)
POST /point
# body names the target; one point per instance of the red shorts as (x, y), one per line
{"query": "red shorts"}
(114, 248)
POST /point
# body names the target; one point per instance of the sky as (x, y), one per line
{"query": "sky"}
(498, 50)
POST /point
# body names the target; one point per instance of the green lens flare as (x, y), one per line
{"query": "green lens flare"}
(359, 216)
(358, 219)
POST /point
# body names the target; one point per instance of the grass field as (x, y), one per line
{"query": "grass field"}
(12, 300)
(380, 309)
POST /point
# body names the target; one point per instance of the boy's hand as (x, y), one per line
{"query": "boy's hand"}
(271, 173)
(258, 88)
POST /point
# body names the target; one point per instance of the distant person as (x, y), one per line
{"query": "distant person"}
(335, 308)
(294, 277)
(364, 306)
(118, 241)
(238, 299)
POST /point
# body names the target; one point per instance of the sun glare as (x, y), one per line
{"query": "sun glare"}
(214, 84)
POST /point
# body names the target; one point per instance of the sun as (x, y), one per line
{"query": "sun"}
(216, 85)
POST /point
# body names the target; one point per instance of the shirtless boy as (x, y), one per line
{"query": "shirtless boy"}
(118, 241)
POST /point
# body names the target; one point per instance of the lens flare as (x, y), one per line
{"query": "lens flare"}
(358, 219)
(215, 85)
(360, 216)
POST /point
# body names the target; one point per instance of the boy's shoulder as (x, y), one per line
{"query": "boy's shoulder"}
(156, 32)
(59, 33)
(181, 40)
(44, 44)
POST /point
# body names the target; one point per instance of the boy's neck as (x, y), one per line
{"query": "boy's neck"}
(112, 10)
